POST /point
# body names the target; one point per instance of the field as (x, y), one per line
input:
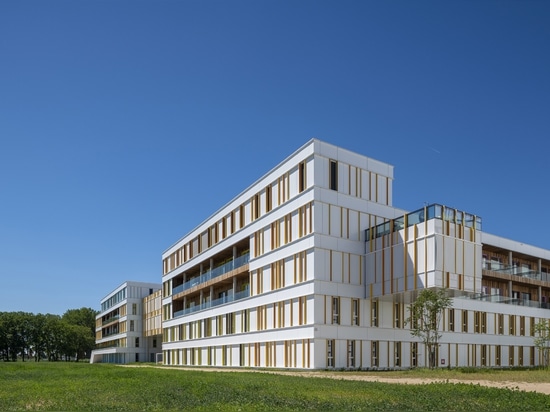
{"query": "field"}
(84, 387)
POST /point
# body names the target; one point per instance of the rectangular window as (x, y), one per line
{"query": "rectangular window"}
(451, 320)
(512, 325)
(374, 353)
(355, 312)
(511, 360)
(134, 308)
(374, 313)
(302, 176)
(497, 355)
(397, 315)
(330, 353)
(351, 353)
(397, 353)
(333, 177)
(335, 310)
(522, 325)
(483, 355)
(414, 354)
(137, 342)
(131, 326)
(501, 324)
(268, 199)
(465, 321)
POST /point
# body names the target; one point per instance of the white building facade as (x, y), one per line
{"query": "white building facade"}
(128, 327)
(312, 267)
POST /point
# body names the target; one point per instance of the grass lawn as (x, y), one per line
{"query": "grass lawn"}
(101, 387)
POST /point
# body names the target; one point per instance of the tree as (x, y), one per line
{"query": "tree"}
(85, 318)
(542, 340)
(425, 318)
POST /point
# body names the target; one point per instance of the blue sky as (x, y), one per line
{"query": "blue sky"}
(124, 124)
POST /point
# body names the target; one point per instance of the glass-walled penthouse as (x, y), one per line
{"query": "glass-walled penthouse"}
(434, 211)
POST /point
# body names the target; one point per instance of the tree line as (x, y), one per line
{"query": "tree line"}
(50, 337)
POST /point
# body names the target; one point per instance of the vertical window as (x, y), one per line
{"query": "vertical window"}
(302, 176)
(465, 321)
(137, 342)
(511, 360)
(154, 343)
(512, 325)
(451, 320)
(483, 355)
(414, 354)
(374, 353)
(268, 198)
(335, 310)
(501, 324)
(497, 355)
(397, 353)
(374, 313)
(351, 353)
(522, 325)
(131, 326)
(333, 177)
(355, 312)
(134, 308)
(330, 353)
(398, 319)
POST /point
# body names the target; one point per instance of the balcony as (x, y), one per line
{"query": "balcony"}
(216, 302)
(111, 319)
(212, 274)
(510, 301)
(523, 272)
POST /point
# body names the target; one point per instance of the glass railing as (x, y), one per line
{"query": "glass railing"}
(516, 271)
(111, 319)
(214, 273)
(213, 303)
(433, 211)
(510, 301)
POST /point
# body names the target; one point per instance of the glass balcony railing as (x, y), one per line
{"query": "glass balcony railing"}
(211, 274)
(511, 301)
(516, 271)
(213, 303)
(111, 319)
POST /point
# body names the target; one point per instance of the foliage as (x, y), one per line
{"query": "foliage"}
(542, 339)
(425, 318)
(86, 387)
(24, 335)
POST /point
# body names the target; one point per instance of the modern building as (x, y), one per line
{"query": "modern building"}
(313, 267)
(128, 327)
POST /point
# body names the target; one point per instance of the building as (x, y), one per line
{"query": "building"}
(313, 267)
(128, 327)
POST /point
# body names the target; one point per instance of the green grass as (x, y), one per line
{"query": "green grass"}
(85, 387)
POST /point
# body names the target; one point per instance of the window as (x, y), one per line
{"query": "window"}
(451, 320)
(501, 324)
(137, 342)
(497, 355)
(330, 353)
(397, 315)
(351, 353)
(335, 310)
(512, 325)
(134, 308)
(374, 353)
(302, 176)
(522, 325)
(333, 177)
(268, 198)
(483, 355)
(355, 312)
(131, 326)
(465, 321)
(414, 354)
(154, 343)
(511, 360)
(397, 353)
(374, 313)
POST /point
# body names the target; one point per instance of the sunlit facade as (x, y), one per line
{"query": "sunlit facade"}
(313, 267)
(128, 327)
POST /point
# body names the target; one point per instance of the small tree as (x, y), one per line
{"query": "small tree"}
(425, 318)
(542, 340)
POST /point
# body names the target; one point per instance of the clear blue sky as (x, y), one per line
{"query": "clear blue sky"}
(124, 124)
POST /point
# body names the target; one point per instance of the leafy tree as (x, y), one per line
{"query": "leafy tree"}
(85, 318)
(425, 317)
(542, 340)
